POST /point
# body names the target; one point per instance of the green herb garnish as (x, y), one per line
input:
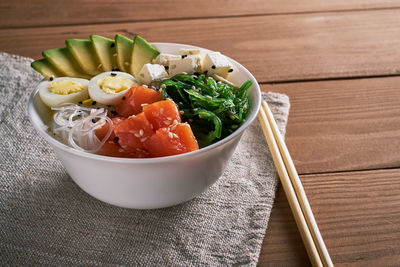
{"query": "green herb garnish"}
(213, 109)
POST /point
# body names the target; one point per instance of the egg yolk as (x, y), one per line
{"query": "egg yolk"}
(114, 84)
(65, 87)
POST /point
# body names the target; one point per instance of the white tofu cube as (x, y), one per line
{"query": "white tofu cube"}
(216, 63)
(194, 51)
(152, 73)
(187, 64)
(163, 59)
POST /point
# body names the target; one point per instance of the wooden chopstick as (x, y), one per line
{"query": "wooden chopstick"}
(294, 190)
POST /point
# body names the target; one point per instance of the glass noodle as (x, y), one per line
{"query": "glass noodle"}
(77, 124)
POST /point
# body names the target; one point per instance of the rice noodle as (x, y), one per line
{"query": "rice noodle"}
(76, 125)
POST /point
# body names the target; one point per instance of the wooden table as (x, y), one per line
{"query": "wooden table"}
(339, 61)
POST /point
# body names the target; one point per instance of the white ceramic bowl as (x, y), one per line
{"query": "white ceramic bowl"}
(148, 183)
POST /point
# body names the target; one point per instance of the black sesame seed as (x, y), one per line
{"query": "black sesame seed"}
(114, 112)
(196, 73)
(113, 44)
(116, 139)
(206, 72)
(213, 67)
(166, 67)
(113, 74)
(183, 56)
(123, 98)
(51, 78)
(93, 120)
(78, 115)
(94, 103)
(230, 70)
(195, 77)
(80, 102)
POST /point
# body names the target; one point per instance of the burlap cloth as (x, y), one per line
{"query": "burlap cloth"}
(46, 219)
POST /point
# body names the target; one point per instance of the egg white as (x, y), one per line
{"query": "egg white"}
(98, 95)
(53, 100)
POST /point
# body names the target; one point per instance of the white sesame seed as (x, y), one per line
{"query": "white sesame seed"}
(132, 116)
(175, 135)
(127, 63)
(170, 135)
(137, 135)
(167, 122)
(173, 127)
(99, 66)
(181, 111)
(143, 139)
(163, 86)
(120, 150)
(169, 118)
(175, 122)
(141, 132)
(111, 142)
(115, 54)
(144, 104)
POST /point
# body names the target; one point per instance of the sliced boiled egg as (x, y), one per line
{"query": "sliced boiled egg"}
(109, 87)
(63, 90)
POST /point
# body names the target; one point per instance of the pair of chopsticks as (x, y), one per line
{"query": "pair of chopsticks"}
(294, 191)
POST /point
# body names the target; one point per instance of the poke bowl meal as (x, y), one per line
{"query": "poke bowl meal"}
(138, 124)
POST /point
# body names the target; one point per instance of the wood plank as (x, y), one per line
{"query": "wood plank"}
(358, 214)
(274, 48)
(343, 124)
(44, 13)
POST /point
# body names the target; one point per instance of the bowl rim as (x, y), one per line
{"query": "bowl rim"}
(32, 112)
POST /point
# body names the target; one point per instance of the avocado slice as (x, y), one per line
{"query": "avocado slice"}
(124, 47)
(63, 61)
(105, 51)
(45, 68)
(84, 54)
(143, 53)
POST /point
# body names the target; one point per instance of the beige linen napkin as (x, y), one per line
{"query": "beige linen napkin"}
(46, 219)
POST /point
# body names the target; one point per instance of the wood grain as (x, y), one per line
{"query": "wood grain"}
(73, 12)
(343, 125)
(274, 48)
(358, 214)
